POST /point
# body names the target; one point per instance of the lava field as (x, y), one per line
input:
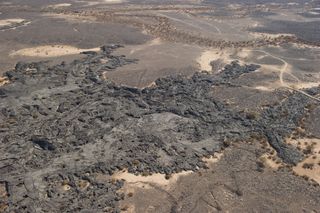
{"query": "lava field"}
(62, 125)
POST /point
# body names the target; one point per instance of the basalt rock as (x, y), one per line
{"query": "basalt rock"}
(84, 125)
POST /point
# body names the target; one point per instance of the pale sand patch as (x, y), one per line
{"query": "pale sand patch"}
(269, 35)
(3, 191)
(156, 41)
(152, 84)
(244, 54)
(314, 13)
(157, 178)
(129, 208)
(48, 51)
(313, 173)
(263, 88)
(303, 143)
(3, 81)
(257, 24)
(304, 46)
(261, 57)
(224, 56)
(212, 159)
(310, 166)
(235, 6)
(103, 60)
(65, 187)
(304, 85)
(205, 59)
(112, 1)
(55, 6)
(268, 160)
(92, 3)
(6, 22)
(208, 56)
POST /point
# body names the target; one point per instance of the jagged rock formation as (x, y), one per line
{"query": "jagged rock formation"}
(60, 124)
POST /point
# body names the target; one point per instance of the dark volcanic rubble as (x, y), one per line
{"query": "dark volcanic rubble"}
(64, 123)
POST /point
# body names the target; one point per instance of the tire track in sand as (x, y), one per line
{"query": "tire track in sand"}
(283, 70)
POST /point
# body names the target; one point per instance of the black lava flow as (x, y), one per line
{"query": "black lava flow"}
(65, 123)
